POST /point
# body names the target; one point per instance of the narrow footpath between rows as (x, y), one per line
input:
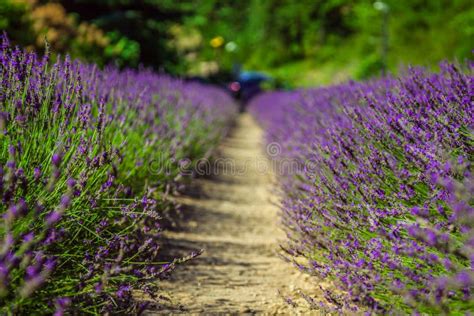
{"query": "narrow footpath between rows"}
(233, 216)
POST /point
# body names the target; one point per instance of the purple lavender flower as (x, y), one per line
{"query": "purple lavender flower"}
(56, 159)
(388, 161)
(94, 125)
(53, 218)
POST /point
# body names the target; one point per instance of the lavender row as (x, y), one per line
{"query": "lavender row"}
(80, 204)
(382, 204)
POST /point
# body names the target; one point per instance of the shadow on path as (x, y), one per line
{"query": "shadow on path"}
(234, 219)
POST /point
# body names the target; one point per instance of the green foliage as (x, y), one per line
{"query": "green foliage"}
(124, 51)
(335, 39)
(369, 66)
(340, 36)
(139, 30)
(12, 20)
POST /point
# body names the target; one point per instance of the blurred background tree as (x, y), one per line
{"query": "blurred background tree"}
(307, 42)
(324, 41)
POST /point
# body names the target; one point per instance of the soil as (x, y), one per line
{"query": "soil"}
(233, 215)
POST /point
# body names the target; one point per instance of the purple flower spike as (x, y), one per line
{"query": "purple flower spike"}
(465, 278)
(53, 217)
(28, 237)
(71, 183)
(56, 160)
(98, 287)
(37, 173)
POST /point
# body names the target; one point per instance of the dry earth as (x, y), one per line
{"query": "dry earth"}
(232, 215)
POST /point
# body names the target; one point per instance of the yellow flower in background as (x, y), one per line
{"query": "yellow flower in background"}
(217, 41)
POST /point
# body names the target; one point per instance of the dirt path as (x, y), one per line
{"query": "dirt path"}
(232, 216)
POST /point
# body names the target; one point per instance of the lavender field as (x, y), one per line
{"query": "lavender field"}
(273, 157)
(382, 201)
(82, 194)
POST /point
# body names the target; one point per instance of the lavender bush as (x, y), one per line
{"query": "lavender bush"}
(81, 205)
(382, 202)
